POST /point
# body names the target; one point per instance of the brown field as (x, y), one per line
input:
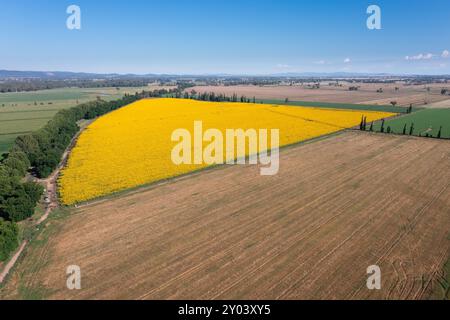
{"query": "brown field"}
(417, 95)
(441, 104)
(336, 207)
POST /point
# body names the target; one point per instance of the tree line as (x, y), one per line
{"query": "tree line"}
(26, 85)
(211, 96)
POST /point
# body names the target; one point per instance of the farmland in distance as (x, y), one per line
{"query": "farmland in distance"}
(404, 95)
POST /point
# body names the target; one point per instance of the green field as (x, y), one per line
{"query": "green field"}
(328, 105)
(24, 112)
(425, 121)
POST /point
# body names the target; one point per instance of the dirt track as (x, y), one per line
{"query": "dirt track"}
(336, 207)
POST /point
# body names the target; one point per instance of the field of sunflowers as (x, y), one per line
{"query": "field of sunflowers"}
(132, 146)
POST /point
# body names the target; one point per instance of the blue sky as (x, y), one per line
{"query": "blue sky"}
(226, 36)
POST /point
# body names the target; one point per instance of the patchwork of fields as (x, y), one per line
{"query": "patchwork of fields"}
(132, 146)
(336, 207)
(367, 94)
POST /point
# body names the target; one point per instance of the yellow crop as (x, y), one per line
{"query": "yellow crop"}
(132, 146)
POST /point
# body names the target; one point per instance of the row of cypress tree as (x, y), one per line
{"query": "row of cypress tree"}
(407, 130)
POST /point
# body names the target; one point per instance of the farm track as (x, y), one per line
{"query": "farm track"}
(14, 133)
(336, 207)
(26, 119)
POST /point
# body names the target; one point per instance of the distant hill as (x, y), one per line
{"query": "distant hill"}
(333, 74)
(63, 75)
(58, 75)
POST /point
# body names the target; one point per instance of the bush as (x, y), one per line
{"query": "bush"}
(28, 145)
(8, 238)
(18, 162)
(34, 191)
(18, 200)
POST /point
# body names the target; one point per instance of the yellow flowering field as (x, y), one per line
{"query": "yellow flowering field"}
(132, 146)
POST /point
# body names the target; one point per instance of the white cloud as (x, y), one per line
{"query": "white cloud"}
(445, 54)
(320, 62)
(422, 56)
(347, 60)
(283, 66)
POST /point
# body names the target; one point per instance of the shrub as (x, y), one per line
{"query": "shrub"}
(18, 162)
(18, 200)
(8, 238)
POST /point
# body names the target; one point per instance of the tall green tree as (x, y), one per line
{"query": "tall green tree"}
(9, 233)
(411, 129)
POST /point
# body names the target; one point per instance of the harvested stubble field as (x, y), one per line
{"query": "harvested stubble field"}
(337, 206)
(367, 93)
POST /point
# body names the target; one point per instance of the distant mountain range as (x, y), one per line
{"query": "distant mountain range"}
(333, 74)
(58, 75)
(63, 75)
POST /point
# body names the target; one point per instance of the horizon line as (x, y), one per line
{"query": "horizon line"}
(219, 74)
